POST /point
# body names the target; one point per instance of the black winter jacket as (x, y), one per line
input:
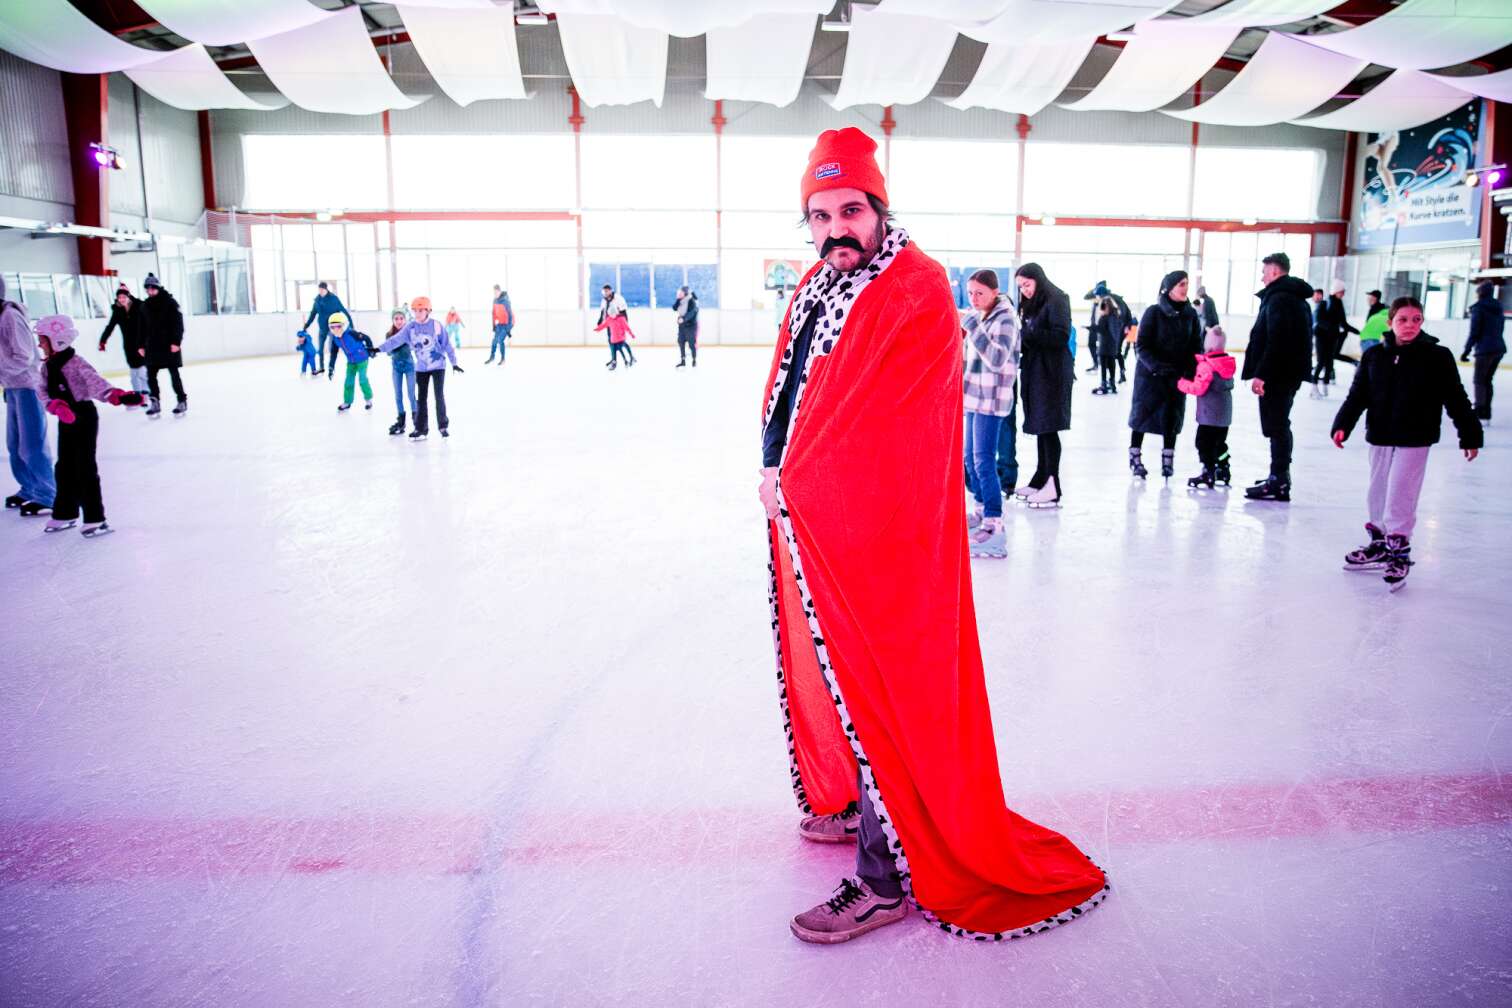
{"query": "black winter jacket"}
(1280, 343)
(133, 335)
(1403, 392)
(163, 328)
(1046, 370)
(1170, 338)
(1487, 324)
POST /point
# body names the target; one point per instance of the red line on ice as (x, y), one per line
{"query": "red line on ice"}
(118, 848)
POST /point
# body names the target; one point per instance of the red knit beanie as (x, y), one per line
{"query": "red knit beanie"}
(843, 159)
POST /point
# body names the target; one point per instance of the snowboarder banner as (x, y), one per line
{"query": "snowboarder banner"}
(1413, 189)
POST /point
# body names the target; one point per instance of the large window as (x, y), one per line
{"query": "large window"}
(1263, 183)
(483, 173)
(1126, 180)
(313, 172)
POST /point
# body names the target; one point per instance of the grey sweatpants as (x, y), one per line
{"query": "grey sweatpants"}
(1396, 480)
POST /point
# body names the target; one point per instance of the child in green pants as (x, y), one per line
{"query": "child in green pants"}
(358, 348)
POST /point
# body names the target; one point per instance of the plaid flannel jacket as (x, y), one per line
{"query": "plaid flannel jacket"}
(992, 358)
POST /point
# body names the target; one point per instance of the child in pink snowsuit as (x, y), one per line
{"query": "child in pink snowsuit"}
(619, 332)
(69, 386)
(1213, 385)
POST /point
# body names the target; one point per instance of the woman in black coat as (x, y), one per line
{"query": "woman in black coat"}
(1170, 338)
(1046, 372)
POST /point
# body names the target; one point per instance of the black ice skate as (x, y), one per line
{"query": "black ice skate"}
(398, 426)
(97, 530)
(417, 435)
(1271, 489)
(1398, 563)
(1372, 556)
(182, 407)
(1221, 472)
(1203, 480)
(1136, 464)
(154, 410)
(1167, 462)
(14, 501)
(343, 407)
(31, 509)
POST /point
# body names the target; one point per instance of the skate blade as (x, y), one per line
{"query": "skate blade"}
(103, 530)
(1364, 567)
(1394, 588)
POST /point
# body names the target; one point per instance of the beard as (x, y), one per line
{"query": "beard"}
(865, 251)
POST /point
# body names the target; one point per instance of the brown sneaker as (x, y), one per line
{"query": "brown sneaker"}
(842, 827)
(850, 913)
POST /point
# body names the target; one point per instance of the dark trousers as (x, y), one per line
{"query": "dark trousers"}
(422, 409)
(874, 858)
(615, 349)
(1275, 423)
(1110, 364)
(1324, 346)
(1485, 373)
(173, 376)
(1007, 453)
(321, 352)
(1212, 444)
(1048, 447)
(77, 475)
(1123, 353)
(1167, 441)
(687, 340)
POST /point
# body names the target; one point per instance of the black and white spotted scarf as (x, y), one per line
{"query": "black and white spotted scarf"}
(832, 293)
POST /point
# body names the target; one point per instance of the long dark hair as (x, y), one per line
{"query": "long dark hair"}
(1043, 289)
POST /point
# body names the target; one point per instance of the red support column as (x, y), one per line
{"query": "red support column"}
(393, 229)
(207, 162)
(718, 122)
(1496, 125)
(888, 125)
(576, 120)
(1347, 193)
(85, 106)
(1018, 214)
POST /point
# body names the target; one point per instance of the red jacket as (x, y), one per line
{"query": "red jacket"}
(1208, 364)
(619, 328)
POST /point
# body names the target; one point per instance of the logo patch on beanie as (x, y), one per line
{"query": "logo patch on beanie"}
(830, 169)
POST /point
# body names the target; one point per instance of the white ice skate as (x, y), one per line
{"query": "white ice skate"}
(96, 530)
(1047, 496)
(54, 525)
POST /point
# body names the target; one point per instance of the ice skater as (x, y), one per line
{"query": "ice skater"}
(1213, 385)
(454, 326)
(1489, 344)
(126, 315)
(402, 364)
(992, 356)
(305, 344)
(1046, 372)
(1108, 333)
(70, 386)
(687, 325)
(503, 324)
(164, 331)
(1276, 364)
(357, 348)
(1403, 387)
(326, 304)
(619, 338)
(880, 669)
(1170, 339)
(25, 413)
(427, 341)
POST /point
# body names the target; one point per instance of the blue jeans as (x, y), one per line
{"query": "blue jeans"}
(402, 379)
(26, 441)
(1007, 460)
(501, 334)
(982, 431)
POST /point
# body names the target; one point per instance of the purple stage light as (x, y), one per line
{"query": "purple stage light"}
(1494, 177)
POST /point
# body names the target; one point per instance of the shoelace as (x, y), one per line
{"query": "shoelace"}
(848, 812)
(847, 894)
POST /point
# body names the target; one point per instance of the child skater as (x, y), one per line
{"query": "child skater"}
(306, 346)
(403, 364)
(1213, 385)
(69, 386)
(619, 333)
(427, 340)
(1108, 339)
(358, 347)
(454, 325)
(1403, 386)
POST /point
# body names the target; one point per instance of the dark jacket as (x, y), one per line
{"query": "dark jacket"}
(1337, 318)
(690, 312)
(325, 306)
(133, 339)
(1109, 331)
(1170, 338)
(1403, 392)
(163, 328)
(1486, 327)
(1046, 370)
(1280, 343)
(1209, 313)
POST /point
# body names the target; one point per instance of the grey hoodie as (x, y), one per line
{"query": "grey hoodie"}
(19, 357)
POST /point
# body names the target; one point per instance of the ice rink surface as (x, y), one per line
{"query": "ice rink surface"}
(339, 720)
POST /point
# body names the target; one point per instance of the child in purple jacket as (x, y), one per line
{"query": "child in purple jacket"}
(69, 386)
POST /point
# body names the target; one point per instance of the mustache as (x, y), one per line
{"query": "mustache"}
(844, 241)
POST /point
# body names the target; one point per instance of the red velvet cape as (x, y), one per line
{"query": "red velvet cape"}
(887, 669)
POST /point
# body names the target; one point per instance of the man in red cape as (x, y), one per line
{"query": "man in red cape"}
(889, 730)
